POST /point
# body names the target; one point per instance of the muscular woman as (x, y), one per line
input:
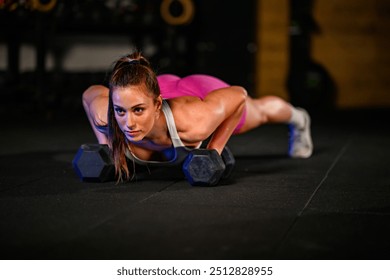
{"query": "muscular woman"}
(144, 117)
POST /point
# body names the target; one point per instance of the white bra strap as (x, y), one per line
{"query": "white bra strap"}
(171, 125)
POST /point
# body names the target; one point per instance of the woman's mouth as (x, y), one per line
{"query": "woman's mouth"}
(133, 133)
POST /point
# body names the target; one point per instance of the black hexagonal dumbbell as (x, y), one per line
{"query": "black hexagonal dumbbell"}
(93, 163)
(204, 167)
(230, 162)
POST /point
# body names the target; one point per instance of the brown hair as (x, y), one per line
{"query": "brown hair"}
(129, 70)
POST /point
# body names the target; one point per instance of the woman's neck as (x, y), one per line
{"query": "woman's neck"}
(158, 138)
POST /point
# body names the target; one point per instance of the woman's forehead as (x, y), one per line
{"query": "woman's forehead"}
(131, 94)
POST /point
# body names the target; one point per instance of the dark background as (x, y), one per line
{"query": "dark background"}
(214, 42)
(334, 205)
(220, 40)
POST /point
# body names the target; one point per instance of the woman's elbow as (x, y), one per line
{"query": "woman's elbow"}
(92, 92)
(240, 94)
(240, 97)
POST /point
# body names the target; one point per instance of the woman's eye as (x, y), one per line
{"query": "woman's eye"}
(119, 111)
(138, 110)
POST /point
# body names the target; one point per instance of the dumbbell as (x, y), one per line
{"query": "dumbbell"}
(201, 167)
(93, 163)
(204, 167)
(230, 162)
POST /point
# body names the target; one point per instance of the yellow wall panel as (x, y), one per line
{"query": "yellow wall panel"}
(354, 47)
(272, 55)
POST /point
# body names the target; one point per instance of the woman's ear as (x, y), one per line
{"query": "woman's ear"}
(159, 103)
(158, 106)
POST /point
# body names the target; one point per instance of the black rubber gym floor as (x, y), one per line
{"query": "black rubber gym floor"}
(335, 205)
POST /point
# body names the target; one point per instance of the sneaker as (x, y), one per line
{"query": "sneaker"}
(300, 143)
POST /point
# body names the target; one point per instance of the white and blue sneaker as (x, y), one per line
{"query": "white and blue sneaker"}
(300, 142)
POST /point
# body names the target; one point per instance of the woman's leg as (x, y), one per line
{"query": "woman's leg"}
(95, 102)
(273, 109)
(268, 109)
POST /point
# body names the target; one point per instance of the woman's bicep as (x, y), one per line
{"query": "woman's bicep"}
(229, 97)
(225, 101)
(218, 106)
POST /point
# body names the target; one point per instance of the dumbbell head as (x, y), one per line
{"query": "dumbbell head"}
(203, 167)
(230, 162)
(93, 163)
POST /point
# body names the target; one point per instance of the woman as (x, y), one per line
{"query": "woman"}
(146, 118)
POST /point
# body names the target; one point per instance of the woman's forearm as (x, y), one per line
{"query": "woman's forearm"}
(224, 131)
(222, 134)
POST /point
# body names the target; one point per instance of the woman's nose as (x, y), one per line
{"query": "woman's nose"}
(130, 121)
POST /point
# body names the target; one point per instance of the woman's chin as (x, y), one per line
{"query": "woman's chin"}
(135, 139)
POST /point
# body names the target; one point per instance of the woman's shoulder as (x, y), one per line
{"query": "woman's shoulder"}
(190, 118)
(183, 108)
(177, 103)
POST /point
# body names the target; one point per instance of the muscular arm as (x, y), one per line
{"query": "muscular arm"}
(95, 102)
(218, 115)
(232, 102)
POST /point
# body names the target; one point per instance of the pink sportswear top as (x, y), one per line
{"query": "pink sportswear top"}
(172, 86)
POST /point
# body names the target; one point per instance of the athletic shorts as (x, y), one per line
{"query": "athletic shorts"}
(172, 86)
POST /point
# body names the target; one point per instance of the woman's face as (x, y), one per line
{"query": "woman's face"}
(135, 111)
